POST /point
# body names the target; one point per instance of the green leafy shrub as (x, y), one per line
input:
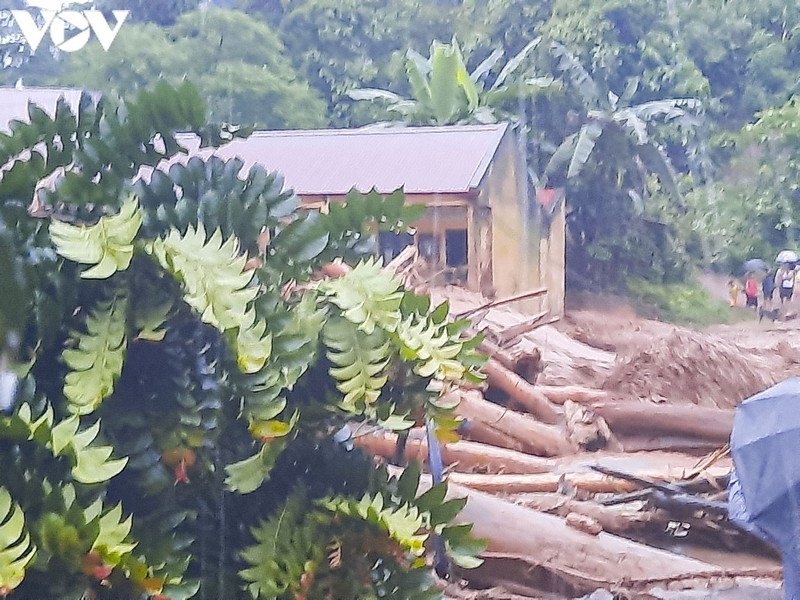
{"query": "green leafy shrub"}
(681, 303)
(175, 385)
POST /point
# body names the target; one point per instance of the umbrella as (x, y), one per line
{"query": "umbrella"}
(787, 256)
(755, 264)
(765, 487)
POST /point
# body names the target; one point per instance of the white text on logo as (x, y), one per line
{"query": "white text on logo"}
(79, 24)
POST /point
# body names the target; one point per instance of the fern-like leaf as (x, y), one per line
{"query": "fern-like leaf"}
(286, 546)
(113, 541)
(368, 297)
(16, 549)
(431, 347)
(249, 474)
(97, 361)
(91, 464)
(403, 523)
(359, 360)
(108, 245)
(218, 286)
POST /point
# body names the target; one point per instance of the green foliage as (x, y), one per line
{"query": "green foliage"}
(16, 548)
(368, 297)
(684, 304)
(91, 463)
(445, 93)
(238, 64)
(184, 388)
(305, 544)
(437, 352)
(287, 547)
(401, 523)
(96, 362)
(359, 360)
(212, 271)
(107, 245)
(249, 474)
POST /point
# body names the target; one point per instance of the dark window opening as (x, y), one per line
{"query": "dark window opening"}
(428, 247)
(391, 244)
(455, 247)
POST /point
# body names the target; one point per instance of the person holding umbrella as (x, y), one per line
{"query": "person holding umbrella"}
(784, 281)
(751, 291)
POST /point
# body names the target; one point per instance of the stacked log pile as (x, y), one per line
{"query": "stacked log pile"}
(578, 488)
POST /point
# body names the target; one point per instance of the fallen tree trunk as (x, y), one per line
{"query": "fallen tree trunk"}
(667, 443)
(613, 519)
(585, 561)
(593, 483)
(464, 455)
(559, 394)
(521, 392)
(714, 424)
(515, 331)
(585, 481)
(527, 365)
(486, 434)
(532, 436)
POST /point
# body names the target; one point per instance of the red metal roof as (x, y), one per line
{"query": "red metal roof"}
(329, 162)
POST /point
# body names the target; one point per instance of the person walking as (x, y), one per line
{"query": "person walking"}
(751, 291)
(768, 289)
(784, 280)
(733, 291)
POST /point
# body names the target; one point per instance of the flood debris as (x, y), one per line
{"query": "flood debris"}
(592, 474)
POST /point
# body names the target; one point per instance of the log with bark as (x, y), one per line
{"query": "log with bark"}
(619, 519)
(526, 433)
(584, 480)
(527, 365)
(713, 424)
(521, 392)
(580, 559)
(459, 456)
(559, 394)
(593, 483)
(669, 443)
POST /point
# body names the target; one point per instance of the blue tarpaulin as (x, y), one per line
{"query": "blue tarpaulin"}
(764, 491)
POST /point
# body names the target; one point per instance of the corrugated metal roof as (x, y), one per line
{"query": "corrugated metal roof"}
(14, 102)
(451, 159)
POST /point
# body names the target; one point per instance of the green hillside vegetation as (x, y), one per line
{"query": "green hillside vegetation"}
(673, 126)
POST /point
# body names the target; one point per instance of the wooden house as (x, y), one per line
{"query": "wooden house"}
(481, 229)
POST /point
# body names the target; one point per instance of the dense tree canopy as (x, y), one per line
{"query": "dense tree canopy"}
(237, 63)
(302, 58)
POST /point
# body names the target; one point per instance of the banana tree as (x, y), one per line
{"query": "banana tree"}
(445, 92)
(613, 121)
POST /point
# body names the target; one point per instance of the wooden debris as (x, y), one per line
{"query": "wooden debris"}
(525, 432)
(521, 392)
(713, 424)
(552, 472)
(512, 333)
(585, 561)
(460, 456)
(502, 302)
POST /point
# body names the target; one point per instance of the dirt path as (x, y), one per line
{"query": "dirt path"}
(719, 365)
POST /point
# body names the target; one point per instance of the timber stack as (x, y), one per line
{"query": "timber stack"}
(583, 481)
(580, 491)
